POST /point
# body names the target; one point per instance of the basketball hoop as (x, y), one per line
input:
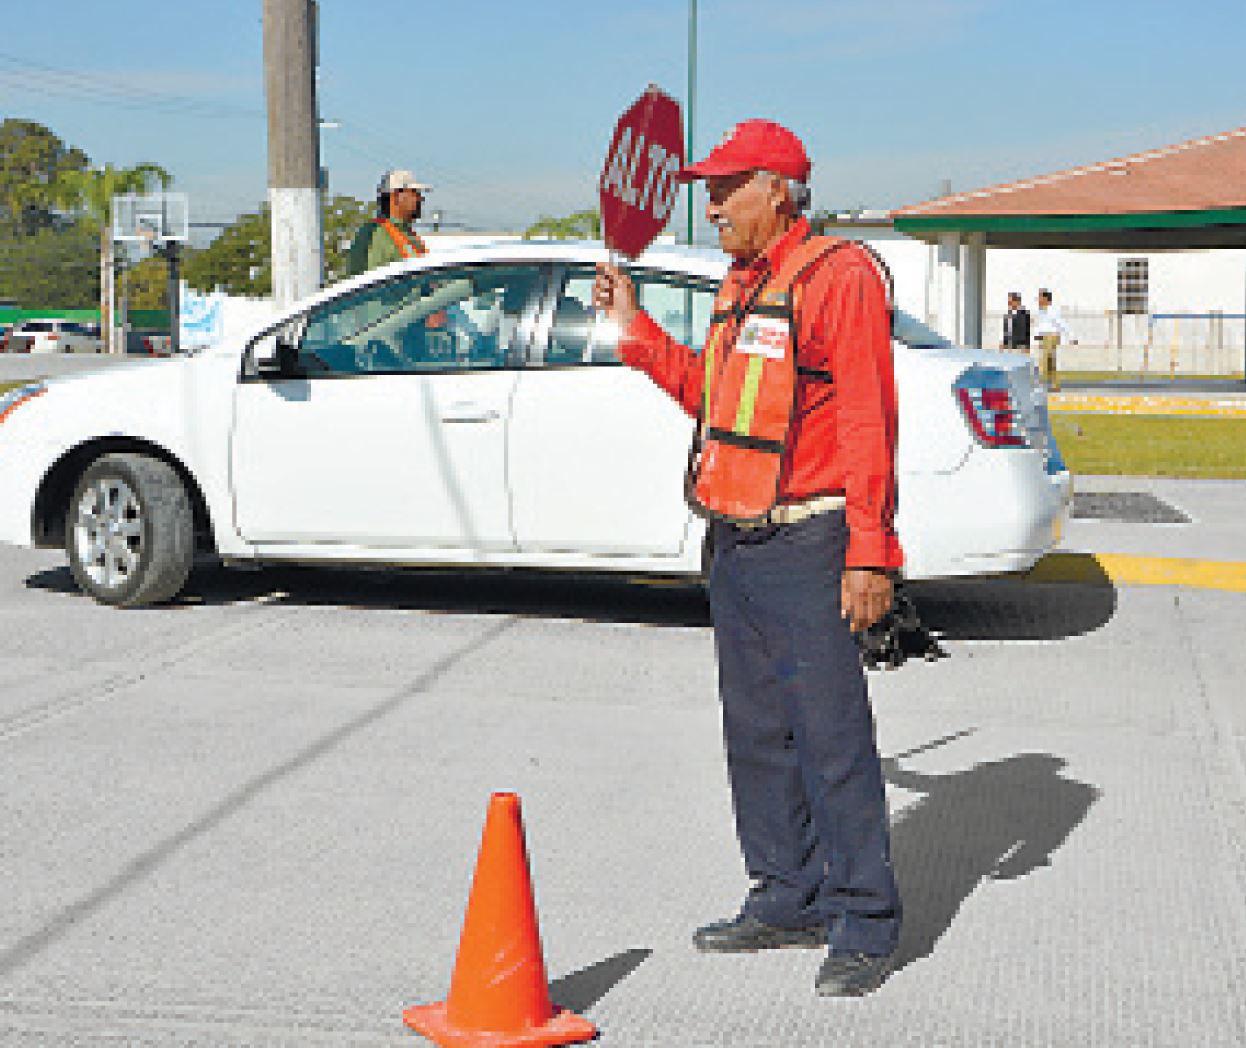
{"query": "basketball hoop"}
(152, 219)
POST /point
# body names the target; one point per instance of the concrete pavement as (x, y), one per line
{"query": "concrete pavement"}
(250, 819)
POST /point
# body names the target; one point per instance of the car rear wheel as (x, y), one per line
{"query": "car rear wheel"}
(129, 531)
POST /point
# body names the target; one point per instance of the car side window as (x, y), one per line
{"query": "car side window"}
(445, 320)
(577, 335)
(681, 305)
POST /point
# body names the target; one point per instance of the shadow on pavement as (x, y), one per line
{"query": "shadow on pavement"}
(1017, 609)
(1001, 820)
(579, 991)
(477, 591)
(972, 609)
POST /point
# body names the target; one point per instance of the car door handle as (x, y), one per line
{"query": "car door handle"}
(469, 413)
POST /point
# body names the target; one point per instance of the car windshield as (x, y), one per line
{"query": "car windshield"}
(912, 332)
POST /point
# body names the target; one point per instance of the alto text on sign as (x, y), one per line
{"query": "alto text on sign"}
(639, 183)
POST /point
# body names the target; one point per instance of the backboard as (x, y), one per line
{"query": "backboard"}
(150, 218)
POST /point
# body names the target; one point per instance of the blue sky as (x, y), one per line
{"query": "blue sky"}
(508, 107)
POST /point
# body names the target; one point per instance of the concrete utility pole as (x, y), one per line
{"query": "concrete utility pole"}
(293, 148)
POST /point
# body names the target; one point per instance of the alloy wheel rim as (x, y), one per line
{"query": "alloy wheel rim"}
(108, 532)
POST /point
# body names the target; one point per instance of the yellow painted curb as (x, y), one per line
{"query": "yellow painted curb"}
(1127, 570)
(1225, 407)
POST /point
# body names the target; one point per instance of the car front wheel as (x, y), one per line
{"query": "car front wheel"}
(129, 531)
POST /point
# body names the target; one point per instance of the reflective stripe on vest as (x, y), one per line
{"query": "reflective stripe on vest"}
(750, 394)
(407, 247)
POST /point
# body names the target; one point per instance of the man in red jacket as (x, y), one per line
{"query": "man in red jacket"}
(802, 323)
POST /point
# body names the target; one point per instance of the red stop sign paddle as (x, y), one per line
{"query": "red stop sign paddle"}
(638, 187)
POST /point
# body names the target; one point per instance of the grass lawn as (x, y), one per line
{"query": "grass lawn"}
(1152, 446)
(6, 386)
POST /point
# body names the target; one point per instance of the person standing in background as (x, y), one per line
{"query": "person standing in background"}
(1050, 330)
(1016, 325)
(389, 237)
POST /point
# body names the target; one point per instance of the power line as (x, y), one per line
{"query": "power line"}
(37, 78)
(450, 177)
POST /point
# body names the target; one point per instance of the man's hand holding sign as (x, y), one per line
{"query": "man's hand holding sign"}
(793, 466)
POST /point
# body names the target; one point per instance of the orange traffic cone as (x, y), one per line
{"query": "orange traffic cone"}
(498, 993)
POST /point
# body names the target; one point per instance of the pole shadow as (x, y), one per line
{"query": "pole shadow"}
(580, 990)
(1000, 821)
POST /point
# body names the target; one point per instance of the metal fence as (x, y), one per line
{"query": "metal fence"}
(1151, 344)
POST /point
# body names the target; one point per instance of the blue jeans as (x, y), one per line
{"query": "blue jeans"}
(806, 782)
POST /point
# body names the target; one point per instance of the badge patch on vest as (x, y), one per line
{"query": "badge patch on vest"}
(764, 337)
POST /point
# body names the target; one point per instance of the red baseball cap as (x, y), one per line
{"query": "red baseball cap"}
(753, 145)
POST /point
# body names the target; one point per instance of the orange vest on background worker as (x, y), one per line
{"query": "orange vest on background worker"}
(409, 246)
(749, 394)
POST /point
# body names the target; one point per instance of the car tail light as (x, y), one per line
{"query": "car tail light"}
(990, 409)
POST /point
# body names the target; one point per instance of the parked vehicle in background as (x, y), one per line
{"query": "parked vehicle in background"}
(147, 344)
(469, 408)
(15, 342)
(54, 335)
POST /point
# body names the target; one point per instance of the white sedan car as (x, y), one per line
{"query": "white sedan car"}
(55, 335)
(468, 408)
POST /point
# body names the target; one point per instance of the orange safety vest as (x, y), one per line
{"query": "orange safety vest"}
(407, 247)
(750, 392)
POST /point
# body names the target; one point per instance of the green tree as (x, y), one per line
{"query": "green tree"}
(147, 284)
(579, 225)
(47, 258)
(33, 161)
(54, 268)
(89, 193)
(343, 215)
(239, 261)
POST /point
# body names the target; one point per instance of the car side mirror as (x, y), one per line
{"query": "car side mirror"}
(287, 357)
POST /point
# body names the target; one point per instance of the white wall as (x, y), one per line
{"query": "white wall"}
(1081, 281)
(1085, 281)
(1084, 286)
